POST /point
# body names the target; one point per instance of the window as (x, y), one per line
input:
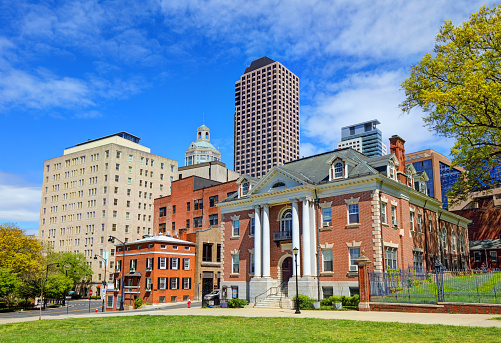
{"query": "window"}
(149, 282)
(338, 170)
(353, 213)
(494, 256)
(186, 283)
(252, 228)
(173, 209)
(162, 263)
(118, 154)
(245, 188)
(412, 221)
(444, 239)
(478, 256)
(109, 301)
(117, 166)
(394, 215)
(354, 254)
(186, 263)
(213, 219)
(207, 252)
(199, 204)
(187, 223)
(236, 227)
(418, 261)
(326, 217)
(420, 222)
(161, 283)
(163, 211)
(383, 213)
(286, 221)
(213, 201)
(149, 263)
(235, 264)
(162, 228)
(188, 205)
(174, 263)
(133, 264)
(130, 158)
(327, 260)
(390, 256)
(197, 222)
(174, 283)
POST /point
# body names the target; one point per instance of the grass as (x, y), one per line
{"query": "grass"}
(475, 288)
(235, 329)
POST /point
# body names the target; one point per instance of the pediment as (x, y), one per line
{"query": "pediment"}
(341, 158)
(276, 180)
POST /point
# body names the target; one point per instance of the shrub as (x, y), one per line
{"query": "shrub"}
(236, 303)
(138, 302)
(25, 303)
(304, 302)
(347, 301)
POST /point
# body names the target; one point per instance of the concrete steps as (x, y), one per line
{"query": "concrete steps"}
(275, 301)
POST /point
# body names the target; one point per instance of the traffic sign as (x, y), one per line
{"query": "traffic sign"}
(90, 292)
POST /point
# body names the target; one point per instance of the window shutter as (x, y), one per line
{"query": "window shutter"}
(158, 283)
(167, 283)
(159, 262)
(172, 258)
(166, 263)
(152, 262)
(189, 283)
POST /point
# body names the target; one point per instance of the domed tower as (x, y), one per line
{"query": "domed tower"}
(201, 150)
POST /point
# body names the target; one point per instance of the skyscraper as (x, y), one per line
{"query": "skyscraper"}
(99, 188)
(266, 117)
(363, 137)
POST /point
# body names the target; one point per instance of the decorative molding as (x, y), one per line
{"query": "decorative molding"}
(235, 252)
(327, 246)
(325, 204)
(251, 215)
(384, 199)
(417, 249)
(251, 251)
(354, 244)
(412, 209)
(394, 203)
(352, 200)
(293, 200)
(390, 244)
(286, 247)
(235, 217)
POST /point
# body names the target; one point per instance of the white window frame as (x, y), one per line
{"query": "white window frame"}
(162, 283)
(353, 266)
(174, 283)
(186, 283)
(384, 217)
(186, 263)
(235, 262)
(324, 260)
(349, 213)
(237, 227)
(174, 263)
(412, 220)
(337, 174)
(162, 263)
(328, 222)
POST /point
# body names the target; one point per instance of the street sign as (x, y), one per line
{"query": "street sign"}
(68, 297)
(90, 292)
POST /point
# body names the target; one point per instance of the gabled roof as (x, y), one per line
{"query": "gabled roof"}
(487, 244)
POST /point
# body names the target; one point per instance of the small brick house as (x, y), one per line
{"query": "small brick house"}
(333, 207)
(158, 269)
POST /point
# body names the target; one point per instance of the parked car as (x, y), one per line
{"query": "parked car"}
(214, 295)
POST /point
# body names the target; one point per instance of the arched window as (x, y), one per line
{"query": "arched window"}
(338, 170)
(206, 135)
(278, 184)
(245, 188)
(444, 239)
(286, 221)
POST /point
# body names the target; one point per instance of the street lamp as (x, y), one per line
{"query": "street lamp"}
(112, 240)
(42, 284)
(105, 261)
(296, 250)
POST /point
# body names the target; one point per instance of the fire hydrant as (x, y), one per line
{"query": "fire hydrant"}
(189, 303)
(96, 310)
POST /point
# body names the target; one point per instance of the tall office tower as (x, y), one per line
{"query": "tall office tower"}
(201, 150)
(438, 169)
(99, 188)
(364, 137)
(266, 117)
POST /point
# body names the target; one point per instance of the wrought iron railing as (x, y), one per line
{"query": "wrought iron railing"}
(282, 236)
(274, 291)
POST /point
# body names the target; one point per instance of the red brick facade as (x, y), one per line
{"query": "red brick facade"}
(157, 269)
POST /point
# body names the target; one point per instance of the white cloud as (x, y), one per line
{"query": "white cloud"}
(19, 202)
(363, 97)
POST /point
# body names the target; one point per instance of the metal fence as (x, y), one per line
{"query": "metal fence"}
(410, 286)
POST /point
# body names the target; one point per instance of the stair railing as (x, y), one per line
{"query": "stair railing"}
(272, 291)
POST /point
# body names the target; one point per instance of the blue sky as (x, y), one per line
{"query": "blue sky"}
(77, 70)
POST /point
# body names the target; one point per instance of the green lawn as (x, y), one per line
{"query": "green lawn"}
(235, 329)
(476, 288)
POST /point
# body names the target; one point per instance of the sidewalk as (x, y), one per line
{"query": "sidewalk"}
(480, 320)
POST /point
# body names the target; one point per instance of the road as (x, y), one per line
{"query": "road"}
(80, 307)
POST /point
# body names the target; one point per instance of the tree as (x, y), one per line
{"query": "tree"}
(72, 265)
(459, 88)
(8, 283)
(57, 286)
(20, 253)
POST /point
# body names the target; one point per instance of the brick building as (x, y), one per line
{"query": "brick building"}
(158, 269)
(342, 203)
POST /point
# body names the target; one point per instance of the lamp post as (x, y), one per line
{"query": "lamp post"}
(296, 250)
(112, 240)
(105, 261)
(41, 286)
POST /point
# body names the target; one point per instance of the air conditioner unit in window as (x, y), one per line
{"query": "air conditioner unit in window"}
(395, 223)
(327, 224)
(353, 268)
(148, 269)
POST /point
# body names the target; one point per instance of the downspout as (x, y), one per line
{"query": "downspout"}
(381, 225)
(425, 234)
(317, 203)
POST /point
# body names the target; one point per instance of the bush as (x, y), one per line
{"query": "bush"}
(25, 304)
(347, 301)
(95, 297)
(236, 303)
(304, 302)
(138, 302)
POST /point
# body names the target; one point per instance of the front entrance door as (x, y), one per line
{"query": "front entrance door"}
(286, 273)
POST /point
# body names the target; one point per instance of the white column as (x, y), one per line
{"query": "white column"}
(266, 241)
(295, 236)
(306, 239)
(257, 242)
(313, 240)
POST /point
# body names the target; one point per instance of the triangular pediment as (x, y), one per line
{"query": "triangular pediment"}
(277, 179)
(336, 156)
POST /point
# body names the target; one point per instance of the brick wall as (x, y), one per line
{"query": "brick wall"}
(462, 308)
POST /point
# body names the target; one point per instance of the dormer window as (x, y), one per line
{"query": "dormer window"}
(391, 171)
(245, 188)
(338, 170)
(409, 180)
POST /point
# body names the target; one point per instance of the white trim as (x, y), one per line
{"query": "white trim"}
(235, 217)
(327, 246)
(390, 245)
(235, 252)
(156, 252)
(354, 244)
(352, 200)
(417, 249)
(325, 204)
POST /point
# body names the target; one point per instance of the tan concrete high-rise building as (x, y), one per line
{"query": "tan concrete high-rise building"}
(99, 188)
(266, 117)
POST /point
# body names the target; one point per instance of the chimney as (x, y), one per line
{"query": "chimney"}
(183, 234)
(397, 148)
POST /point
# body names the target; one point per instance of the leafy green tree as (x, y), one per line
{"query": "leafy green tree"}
(29, 288)
(57, 286)
(72, 265)
(20, 253)
(8, 283)
(459, 87)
